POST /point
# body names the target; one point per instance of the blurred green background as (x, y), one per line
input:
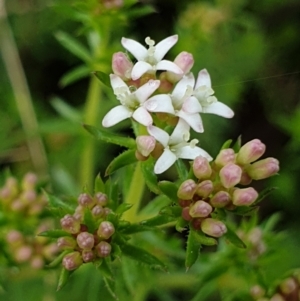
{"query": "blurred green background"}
(250, 48)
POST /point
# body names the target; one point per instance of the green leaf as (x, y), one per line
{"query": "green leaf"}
(140, 11)
(245, 210)
(58, 259)
(237, 145)
(205, 240)
(89, 221)
(99, 185)
(122, 208)
(59, 207)
(181, 225)
(181, 169)
(110, 137)
(65, 110)
(149, 175)
(74, 75)
(192, 249)
(128, 228)
(54, 233)
(73, 46)
(125, 158)
(231, 236)
(103, 77)
(158, 220)
(104, 268)
(112, 190)
(110, 285)
(226, 144)
(169, 189)
(263, 194)
(142, 255)
(63, 278)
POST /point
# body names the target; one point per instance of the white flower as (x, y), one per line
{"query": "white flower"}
(131, 102)
(175, 146)
(204, 93)
(180, 103)
(150, 60)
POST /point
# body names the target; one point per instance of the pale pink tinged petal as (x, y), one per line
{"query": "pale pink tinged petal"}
(164, 46)
(117, 82)
(142, 116)
(135, 48)
(180, 133)
(203, 79)
(160, 103)
(146, 90)
(169, 66)
(191, 105)
(193, 120)
(139, 69)
(219, 108)
(181, 86)
(188, 152)
(159, 135)
(164, 162)
(115, 115)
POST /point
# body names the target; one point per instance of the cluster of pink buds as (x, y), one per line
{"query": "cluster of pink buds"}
(83, 244)
(216, 185)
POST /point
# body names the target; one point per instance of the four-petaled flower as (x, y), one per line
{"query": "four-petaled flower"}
(175, 146)
(150, 60)
(131, 102)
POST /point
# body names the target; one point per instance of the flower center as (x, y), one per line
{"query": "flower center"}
(151, 51)
(127, 98)
(204, 95)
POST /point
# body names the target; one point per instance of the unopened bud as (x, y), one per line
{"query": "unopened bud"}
(263, 169)
(186, 214)
(121, 65)
(86, 200)
(245, 178)
(72, 261)
(277, 297)
(225, 156)
(103, 249)
(257, 291)
(244, 196)
(29, 181)
(37, 262)
(101, 199)
(66, 243)
(230, 175)
(200, 209)
(255, 236)
(85, 240)
(205, 188)
(14, 237)
(288, 285)
(106, 230)
(213, 227)
(250, 152)
(88, 255)
(145, 144)
(70, 224)
(23, 253)
(220, 199)
(28, 196)
(187, 189)
(201, 168)
(98, 211)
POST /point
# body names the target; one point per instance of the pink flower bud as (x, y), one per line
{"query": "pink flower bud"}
(186, 214)
(201, 168)
(101, 199)
(200, 209)
(213, 227)
(288, 285)
(66, 243)
(111, 4)
(70, 224)
(28, 196)
(72, 261)
(276, 297)
(122, 65)
(250, 152)
(105, 230)
(187, 189)
(145, 144)
(220, 199)
(225, 156)
(23, 253)
(263, 169)
(244, 196)
(29, 181)
(86, 200)
(245, 178)
(230, 175)
(85, 240)
(14, 237)
(98, 211)
(257, 291)
(103, 249)
(185, 61)
(205, 188)
(88, 255)
(37, 262)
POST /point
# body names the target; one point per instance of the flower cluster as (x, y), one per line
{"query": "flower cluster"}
(156, 92)
(216, 185)
(86, 243)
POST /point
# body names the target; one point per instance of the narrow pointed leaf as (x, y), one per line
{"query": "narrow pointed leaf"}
(125, 158)
(58, 259)
(226, 144)
(63, 278)
(169, 189)
(99, 185)
(263, 194)
(105, 269)
(149, 176)
(65, 110)
(134, 228)
(122, 208)
(74, 75)
(110, 137)
(158, 220)
(54, 233)
(181, 169)
(181, 225)
(245, 210)
(205, 240)
(110, 286)
(59, 207)
(112, 190)
(103, 77)
(237, 145)
(231, 236)
(192, 249)
(89, 221)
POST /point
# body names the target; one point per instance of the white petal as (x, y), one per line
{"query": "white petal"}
(164, 46)
(219, 108)
(142, 116)
(143, 92)
(193, 120)
(188, 152)
(135, 48)
(164, 162)
(203, 79)
(180, 133)
(159, 135)
(115, 115)
(181, 86)
(117, 82)
(160, 103)
(139, 69)
(191, 105)
(169, 66)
